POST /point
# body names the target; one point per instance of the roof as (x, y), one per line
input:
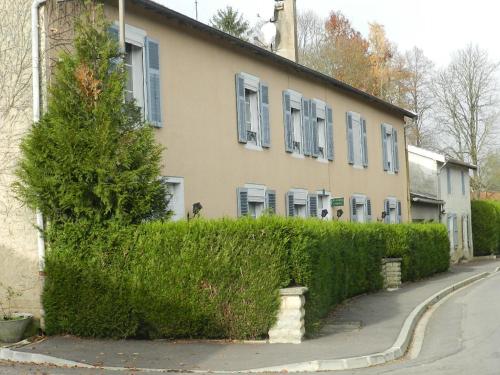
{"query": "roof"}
(439, 157)
(421, 198)
(261, 52)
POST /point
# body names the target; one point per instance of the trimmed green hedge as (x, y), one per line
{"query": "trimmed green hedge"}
(485, 227)
(496, 204)
(219, 278)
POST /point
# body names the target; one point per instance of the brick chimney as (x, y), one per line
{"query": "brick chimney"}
(285, 16)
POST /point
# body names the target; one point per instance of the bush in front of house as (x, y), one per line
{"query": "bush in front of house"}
(496, 204)
(423, 248)
(485, 227)
(219, 278)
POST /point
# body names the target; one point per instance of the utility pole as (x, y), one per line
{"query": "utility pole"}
(196, 8)
(121, 17)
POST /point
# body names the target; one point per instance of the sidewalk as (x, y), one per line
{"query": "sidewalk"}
(381, 315)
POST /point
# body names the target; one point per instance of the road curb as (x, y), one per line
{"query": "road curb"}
(397, 350)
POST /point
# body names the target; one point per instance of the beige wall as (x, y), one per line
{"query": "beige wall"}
(200, 132)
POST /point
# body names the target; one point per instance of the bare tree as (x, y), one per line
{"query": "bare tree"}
(310, 34)
(15, 88)
(419, 98)
(467, 97)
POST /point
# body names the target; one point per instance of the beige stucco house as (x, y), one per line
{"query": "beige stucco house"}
(246, 131)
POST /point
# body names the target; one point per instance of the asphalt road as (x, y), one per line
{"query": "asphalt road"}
(462, 337)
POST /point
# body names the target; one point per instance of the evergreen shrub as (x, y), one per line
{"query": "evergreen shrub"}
(219, 278)
(485, 227)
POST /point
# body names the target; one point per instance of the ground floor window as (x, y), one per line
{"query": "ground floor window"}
(175, 196)
(361, 208)
(392, 211)
(296, 203)
(452, 225)
(255, 200)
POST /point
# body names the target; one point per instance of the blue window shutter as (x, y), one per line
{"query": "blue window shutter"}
(350, 138)
(399, 213)
(395, 152)
(387, 210)
(455, 231)
(240, 108)
(153, 82)
(448, 179)
(329, 133)
(463, 182)
(306, 123)
(313, 205)
(290, 206)
(314, 130)
(287, 121)
(369, 209)
(385, 160)
(353, 209)
(364, 143)
(264, 115)
(271, 201)
(242, 195)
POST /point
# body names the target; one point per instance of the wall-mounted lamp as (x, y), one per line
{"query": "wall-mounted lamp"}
(340, 213)
(384, 214)
(197, 208)
(324, 213)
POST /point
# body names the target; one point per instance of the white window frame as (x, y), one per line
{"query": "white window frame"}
(296, 107)
(389, 148)
(300, 195)
(361, 201)
(179, 211)
(357, 144)
(393, 208)
(256, 198)
(321, 116)
(252, 84)
(324, 195)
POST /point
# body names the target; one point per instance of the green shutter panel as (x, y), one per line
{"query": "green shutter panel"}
(314, 130)
(353, 209)
(329, 133)
(369, 209)
(290, 207)
(306, 125)
(313, 205)
(399, 213)
(364, 142)
(395, 149)
(242, 195)
(153, 82)
(287, 121)
(264, 115)
(271, 201)
(350, 138)
(387, 210)
(385, 160)
(240, 108)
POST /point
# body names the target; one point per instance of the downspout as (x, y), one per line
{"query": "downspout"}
(35, 54)
(439, 189)
(407, 163)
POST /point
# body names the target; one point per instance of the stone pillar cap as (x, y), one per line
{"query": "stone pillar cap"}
(293, 291)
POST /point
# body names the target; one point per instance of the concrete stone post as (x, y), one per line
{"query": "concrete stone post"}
(289, 328)
(391, 272)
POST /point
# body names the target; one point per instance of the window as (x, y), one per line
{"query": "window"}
(324, 205)
(357, 146)
(390, 153)
(175, 196)
(361, 209)
(452, 225)
(308, 125)
(252, 111)
(297, 201)
(142, 65)
(255, 200)
(392, 211)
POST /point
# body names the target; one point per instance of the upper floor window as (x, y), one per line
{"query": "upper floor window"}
(252, 109)
(255, 200)
(357, 146)
(142, 66)
(308, 126)
(392, 211)
(390, 154)
(361, 208)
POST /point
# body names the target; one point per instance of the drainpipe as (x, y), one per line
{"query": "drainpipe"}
(35, 54)
(121, 19)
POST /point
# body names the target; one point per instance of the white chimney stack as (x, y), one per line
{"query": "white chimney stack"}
(285, 16)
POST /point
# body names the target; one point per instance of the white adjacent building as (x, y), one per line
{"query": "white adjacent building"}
(440, 192)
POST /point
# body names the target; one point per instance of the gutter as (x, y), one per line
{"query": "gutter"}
(35, 56)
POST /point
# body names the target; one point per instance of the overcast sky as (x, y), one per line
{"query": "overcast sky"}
(439, 27)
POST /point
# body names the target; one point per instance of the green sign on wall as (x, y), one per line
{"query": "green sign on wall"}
(337, 202)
